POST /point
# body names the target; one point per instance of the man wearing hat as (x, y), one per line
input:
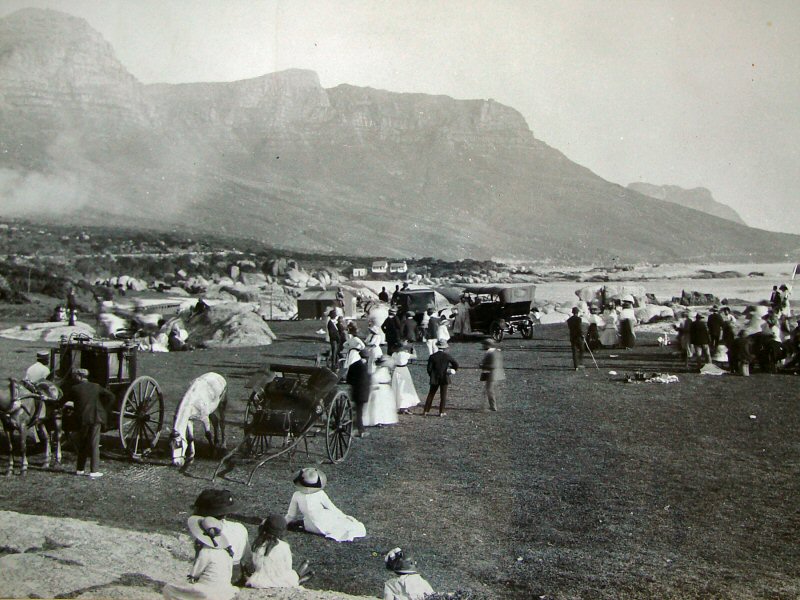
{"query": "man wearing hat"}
(576, 340)
(440, 367)
(219, 504)
(492, 370)
(409, 328)
(715, 323)
(333, 339)
(92, 407)
(391, 330)
(360, 382)
(39, 370)
(701, 340)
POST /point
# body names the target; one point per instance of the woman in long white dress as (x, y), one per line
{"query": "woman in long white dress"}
(405, 394)
(381, 408)
(311, 505)
(609, 335)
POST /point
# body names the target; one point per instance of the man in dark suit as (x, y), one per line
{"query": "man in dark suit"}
(440, 366)
(383, 295)
(333, 339)
(391, 330)
(715, 323)
(701, 340)
(575, 324)
(92, 406)
(360, 381)
(409, 328)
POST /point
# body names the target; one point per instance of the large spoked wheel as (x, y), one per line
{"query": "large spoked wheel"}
(339, 428)
(141, 417)
(496, 331)
(527, 330)
(256, 440)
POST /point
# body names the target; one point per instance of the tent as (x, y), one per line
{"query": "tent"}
(314, 303)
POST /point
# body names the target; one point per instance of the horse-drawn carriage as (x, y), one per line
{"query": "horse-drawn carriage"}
(112, 364)
(290, 405)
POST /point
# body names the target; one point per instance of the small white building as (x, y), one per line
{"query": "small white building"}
(359, 271)
(380, 266)
(398, 267)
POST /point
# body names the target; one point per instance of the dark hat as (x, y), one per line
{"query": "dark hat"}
(332, 314)
(783, 287)
(574, 310)
(714, 308)
(214, 503)
(310, 480)
(400, 562)
(274, 525)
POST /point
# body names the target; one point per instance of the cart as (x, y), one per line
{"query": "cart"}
(139, 411)
(289, 406)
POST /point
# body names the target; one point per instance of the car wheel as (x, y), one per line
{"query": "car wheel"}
(496, 331)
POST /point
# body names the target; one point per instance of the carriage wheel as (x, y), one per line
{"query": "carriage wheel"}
(141, 417)
(256, 444)
(496, 331)
(527, 330)
(339, 428)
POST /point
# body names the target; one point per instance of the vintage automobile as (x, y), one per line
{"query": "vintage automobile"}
(497, 310)
(416, 301)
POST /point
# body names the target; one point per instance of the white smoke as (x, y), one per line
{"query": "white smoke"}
(39, 194)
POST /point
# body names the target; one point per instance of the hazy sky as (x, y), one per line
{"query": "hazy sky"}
(685, 92)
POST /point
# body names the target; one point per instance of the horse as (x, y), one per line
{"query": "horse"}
(34, 407)
(204, 401)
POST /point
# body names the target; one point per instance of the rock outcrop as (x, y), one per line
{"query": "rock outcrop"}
(696, 198)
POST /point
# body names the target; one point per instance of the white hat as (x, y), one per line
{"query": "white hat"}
(207, 531)
(310, 480)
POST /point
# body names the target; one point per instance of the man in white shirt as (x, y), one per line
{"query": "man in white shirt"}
(39, 371)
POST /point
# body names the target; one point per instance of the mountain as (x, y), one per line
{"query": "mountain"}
(281, 159)
(697, 198)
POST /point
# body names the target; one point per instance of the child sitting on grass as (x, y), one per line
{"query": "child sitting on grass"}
(409, 585)
(210, 577)
(272, 558)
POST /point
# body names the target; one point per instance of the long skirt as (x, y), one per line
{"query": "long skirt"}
(627, 334)
(405, 393)
(381, 408)
(609, 337)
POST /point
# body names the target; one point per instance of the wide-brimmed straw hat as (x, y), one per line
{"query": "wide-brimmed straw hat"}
(441, 344)
(214, 503)
(310, 480)
(207, 531)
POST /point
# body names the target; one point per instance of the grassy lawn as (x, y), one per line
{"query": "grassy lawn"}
(581, 486)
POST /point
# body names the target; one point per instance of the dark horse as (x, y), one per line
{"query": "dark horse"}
(29, 406)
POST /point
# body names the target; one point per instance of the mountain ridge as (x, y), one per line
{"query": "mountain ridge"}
(347, 168)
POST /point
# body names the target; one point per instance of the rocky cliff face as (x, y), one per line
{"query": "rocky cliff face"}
(281, 159)
(696, 198)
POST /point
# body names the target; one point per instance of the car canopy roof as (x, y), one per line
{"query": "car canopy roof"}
(514, 292)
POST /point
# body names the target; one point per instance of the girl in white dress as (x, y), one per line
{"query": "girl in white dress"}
(272, 558)
(408, 585)
(353, 347)
(405, 394)
(381, 408)
(212, 570)
(311, 506)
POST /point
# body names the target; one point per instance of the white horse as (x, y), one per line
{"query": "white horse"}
(204, 401)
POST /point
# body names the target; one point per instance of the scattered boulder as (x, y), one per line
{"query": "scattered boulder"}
(229, 325)
(696, 299)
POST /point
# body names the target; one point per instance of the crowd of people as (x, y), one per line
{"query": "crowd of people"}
(767, 334)
(225, 559)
